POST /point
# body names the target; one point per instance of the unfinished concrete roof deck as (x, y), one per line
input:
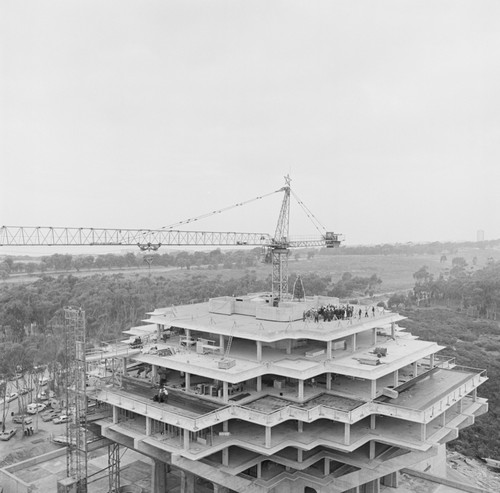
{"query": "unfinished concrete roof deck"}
(284, 322)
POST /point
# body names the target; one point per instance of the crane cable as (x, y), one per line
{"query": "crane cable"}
(203, 216)
(309, 214)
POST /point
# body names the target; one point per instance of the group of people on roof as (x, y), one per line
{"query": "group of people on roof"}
(330, 312)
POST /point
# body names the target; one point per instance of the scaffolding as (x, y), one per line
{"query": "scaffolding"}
(76, 377)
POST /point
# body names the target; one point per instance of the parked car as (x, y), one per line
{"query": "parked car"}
(35, 408)
(49, 417)
(64, 418)
(150, 349)
(7, 435)
(19, 420)
(12, 396)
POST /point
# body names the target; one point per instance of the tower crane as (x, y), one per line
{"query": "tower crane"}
(278, 246)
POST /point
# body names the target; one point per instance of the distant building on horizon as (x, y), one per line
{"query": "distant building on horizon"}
(480, 235)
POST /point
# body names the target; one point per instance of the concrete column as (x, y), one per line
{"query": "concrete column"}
(187, 482)
(116, 411)
(148, 426)
(373, 388)
(354, 343)
(431, 361)
(372, 421)
(221, 343)
(259, 350)
(423, 432)
(154, 372)
(225, 426)
(391, 480)
(393, 330)
(372, 486)
(300, 455)
(460, 405)
(415, 368)
(301, 389)
(300, 426)
(372, 449)
(268, 437)
(186, 439)
(259, 384)
(328, 349)
(259, 470)
(328, 381)
(188, 335)
(347, 434)
(225, 456)
(443, 419)
(158, 477)
(326, 469)
(396, 378)
(474, 395)
(187, 377)
(374, 336)
(124, 366)
(289, 346)
(225, 392)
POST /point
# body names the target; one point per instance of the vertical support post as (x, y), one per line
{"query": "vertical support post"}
(393, 330)
(221, 343)
(268, 437)
(423, 432)
(396, 378)
(374, 336)
(225, 391)
(259, 383)
(289, 346)
(186, 439)
(259, 470)
(432, 361)
(373, 388)
(326, 466)
(328, 349)
(354, 343)
(373, 421)
(300, 426)
(187, 377)
(301, 389)
(159, 476)
(225, 456)
(259, 351)
(116, 415)
(328, 381)
(373, 444)
(300, 455)
(347, 433)
(415, 369)
(148, 426)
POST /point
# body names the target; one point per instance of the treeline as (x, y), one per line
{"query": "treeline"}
(433, 248)
(182, 259)
(474, 291)
(115, 302)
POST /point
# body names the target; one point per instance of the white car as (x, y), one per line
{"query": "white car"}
(35, 408)
(64, 418)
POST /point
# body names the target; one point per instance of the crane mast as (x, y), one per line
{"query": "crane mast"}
(280, 247)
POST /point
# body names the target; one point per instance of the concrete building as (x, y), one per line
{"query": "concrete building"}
(263, 398)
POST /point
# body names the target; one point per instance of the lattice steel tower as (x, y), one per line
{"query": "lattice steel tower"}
(76, 428)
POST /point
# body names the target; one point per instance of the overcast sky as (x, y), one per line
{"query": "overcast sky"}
(139, 114)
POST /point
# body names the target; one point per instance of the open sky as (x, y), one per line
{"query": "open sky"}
(139, 114)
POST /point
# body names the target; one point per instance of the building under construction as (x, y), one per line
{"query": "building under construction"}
(237, 394)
